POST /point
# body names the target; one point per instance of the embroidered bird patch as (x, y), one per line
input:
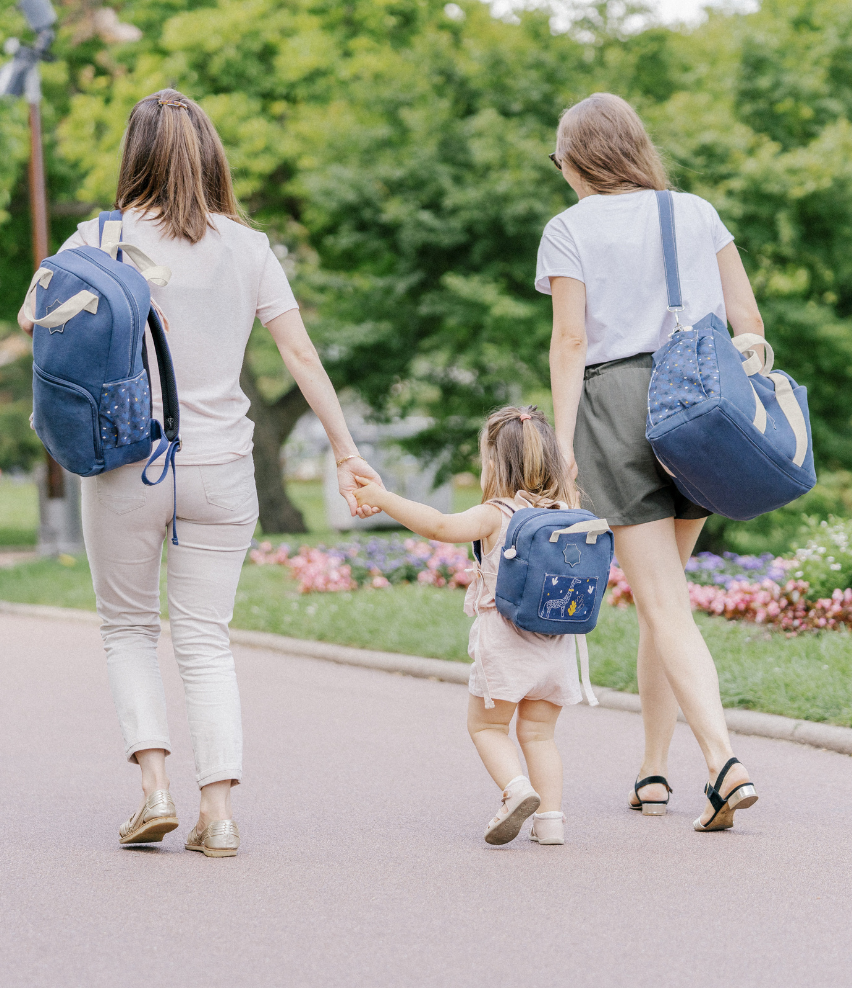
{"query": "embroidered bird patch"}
(571, 553)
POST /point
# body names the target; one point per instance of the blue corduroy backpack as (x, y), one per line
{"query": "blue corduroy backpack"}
(553, 573)
(91, 393)
(734, 436)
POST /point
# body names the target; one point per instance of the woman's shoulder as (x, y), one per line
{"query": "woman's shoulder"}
(238, 233)
(690, 201)
(563, 223)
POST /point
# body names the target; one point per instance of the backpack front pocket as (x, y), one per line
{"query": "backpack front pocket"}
(125, 411)
(65, 419)
(567, 598)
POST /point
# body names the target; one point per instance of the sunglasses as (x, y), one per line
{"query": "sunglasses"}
(557, 163)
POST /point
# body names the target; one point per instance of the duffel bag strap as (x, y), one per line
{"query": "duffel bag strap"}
(665, 210)
(82, 301)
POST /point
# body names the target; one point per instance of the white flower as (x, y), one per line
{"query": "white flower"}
(835, 566)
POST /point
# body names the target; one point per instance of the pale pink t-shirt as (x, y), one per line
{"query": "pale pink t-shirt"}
(217, 289)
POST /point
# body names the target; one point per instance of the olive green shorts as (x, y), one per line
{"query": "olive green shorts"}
(619, 477)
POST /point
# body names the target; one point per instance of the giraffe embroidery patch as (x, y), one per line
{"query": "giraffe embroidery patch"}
(567, 598)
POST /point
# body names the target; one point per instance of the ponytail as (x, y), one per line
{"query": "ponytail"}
(173, 165)
(520, 453)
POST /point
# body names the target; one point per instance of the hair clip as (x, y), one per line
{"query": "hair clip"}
(172, 102)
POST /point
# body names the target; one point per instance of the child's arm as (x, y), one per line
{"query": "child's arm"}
(481, 522)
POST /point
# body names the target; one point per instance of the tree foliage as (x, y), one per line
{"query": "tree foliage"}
(400, 155)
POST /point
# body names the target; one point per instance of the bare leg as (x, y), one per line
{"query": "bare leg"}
(215, 803)
(489, 730)
(649, 556)
(536, 725)
(152, 761)
(659, 706)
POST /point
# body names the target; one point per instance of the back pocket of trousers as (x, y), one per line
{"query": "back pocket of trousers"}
(229, 485)
(65, 418)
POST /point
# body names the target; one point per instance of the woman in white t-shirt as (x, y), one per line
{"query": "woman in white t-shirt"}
(178, 206)
(602, 262)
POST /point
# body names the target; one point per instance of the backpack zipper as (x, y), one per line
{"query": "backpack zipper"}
(134, 310)
(517, 531)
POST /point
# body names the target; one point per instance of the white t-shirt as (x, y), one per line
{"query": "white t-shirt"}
(613, 245)
(218, 287)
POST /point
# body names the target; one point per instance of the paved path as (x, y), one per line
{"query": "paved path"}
(362, 861)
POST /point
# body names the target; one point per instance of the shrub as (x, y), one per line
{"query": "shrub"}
(825, 558)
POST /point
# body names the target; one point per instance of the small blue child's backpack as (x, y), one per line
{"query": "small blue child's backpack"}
(553, 573)
(91, 393)
(735, 438)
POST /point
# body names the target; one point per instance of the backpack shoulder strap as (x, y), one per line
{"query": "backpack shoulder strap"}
(109, 231)
(168, 384)
(506, 506)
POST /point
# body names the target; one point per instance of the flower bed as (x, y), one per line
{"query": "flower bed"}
(753, 588)
(741, 588)
(376, 563)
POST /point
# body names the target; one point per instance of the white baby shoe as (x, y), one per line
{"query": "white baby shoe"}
(548, 828)
(520, 801)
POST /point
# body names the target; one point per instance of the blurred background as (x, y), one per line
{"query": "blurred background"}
(395, 151)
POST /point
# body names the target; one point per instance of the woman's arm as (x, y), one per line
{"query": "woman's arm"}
(740, 304)
(302, 360)
(481, 522)
(567, 360)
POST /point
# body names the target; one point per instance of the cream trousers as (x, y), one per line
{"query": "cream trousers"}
(125, 525)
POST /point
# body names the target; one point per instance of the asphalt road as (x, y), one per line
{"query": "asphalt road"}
(363, 864)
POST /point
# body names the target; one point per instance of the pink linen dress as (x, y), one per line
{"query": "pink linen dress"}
(515, 664)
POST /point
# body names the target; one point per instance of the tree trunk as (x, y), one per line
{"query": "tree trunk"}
(273, 423)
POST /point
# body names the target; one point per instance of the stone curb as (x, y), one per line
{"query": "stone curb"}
(827, 736)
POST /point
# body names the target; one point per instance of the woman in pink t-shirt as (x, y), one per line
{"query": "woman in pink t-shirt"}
(178, 206)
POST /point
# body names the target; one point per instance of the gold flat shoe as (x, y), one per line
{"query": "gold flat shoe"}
(220, 839)
(155, 818)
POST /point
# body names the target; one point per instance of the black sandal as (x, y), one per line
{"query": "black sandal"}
(739, 798)
(650, 807)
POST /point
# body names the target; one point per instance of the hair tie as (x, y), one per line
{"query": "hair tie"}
(172, 102)
(524, 416)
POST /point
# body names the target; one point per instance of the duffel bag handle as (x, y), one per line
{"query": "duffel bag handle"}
(84, 300)
(593, 528)
(754, 364)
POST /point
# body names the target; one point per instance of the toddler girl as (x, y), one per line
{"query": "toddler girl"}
(536, 675)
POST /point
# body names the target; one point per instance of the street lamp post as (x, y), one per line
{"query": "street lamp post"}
(59, 491)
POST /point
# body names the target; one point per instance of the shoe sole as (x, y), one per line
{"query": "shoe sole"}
(509, 829)
(725, 819)
(151, 832)
(538, 840)
(649, 809)
(213, 852)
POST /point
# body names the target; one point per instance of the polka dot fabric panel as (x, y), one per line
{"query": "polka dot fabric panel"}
(125, 411)
(688, 376)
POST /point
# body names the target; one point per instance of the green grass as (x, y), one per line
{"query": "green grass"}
(809, 677)
(18, 513)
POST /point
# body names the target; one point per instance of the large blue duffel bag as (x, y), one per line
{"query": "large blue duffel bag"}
(734, 435)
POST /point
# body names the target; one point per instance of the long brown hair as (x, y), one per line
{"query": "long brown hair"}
(604, 140)
(523, 456)
(174, 165)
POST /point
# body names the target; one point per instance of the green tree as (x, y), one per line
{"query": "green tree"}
(399, 154)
